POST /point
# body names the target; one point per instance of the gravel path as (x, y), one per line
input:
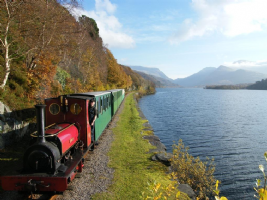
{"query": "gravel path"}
(96, 175)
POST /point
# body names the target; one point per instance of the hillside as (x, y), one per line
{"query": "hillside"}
(220, 76)
(259, 85)
(151, 71)
(46, 52)
(158, 81)
(154, 75)
(139, 83)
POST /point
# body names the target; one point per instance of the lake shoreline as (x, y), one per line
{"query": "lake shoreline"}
(160, 154)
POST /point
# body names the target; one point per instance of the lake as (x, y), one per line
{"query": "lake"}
(228, 125)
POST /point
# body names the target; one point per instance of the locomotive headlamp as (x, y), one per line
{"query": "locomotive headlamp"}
(66, 101)
(66, 105)
(61, 100)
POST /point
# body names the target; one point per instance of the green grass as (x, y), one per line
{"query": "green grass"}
(133, 167)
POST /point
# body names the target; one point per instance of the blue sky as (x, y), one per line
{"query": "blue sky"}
(181, 37)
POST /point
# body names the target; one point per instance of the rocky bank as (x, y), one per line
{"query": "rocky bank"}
(160, 153)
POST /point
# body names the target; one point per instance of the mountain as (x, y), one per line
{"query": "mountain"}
(220, 76)
(154, 75)
(195, 79)
(158, 81)
(152, 71)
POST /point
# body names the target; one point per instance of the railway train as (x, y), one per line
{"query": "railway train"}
(62, 140)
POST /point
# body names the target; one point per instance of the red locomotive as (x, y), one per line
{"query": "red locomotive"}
(56, 152)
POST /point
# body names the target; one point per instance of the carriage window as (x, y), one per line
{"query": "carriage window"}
(98, 108)
(104, 103)
(106, 100)
(101, 105)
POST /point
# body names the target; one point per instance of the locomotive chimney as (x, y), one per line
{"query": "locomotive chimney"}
(40, 115)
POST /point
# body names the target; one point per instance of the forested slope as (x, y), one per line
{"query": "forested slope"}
(139, 83)
(259, 85)
(45, 52)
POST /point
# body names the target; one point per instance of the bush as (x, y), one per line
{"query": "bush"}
(61, 76)
(261, 191)
(192, 171)
(158, 191)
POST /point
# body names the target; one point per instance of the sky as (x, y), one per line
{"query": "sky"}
(181, 37)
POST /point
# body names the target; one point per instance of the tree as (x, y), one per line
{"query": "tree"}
(30, 29)
(90, 25)
(8, 12)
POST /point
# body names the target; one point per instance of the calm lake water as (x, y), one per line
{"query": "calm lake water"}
(228, 125)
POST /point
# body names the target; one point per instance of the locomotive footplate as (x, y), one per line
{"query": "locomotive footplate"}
(39, 182)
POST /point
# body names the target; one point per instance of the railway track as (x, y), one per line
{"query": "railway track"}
(43, 197)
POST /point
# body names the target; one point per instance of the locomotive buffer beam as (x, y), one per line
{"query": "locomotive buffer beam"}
(31, 185)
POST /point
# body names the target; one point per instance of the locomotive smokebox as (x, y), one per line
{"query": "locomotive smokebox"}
(40, 115)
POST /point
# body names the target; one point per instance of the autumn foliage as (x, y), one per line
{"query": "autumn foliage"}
(46, 52)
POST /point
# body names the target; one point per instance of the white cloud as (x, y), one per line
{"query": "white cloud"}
(229, 17)
(106, 5)
(246, 64)
(110, 29)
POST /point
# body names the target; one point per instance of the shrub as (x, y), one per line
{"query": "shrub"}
(192, 171)
(217, 192)
(159, 191)
(61, 76)
(261, 192)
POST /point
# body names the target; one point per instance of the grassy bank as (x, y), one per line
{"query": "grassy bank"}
(133, 167)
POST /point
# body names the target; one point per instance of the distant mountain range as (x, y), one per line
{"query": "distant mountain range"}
(159, 81)
(154, 75)
(220, 76)
(239, 72)
(152, 71)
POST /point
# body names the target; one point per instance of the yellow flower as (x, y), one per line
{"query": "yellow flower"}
(261, 167)
(263, 194)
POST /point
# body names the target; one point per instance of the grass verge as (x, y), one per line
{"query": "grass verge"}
(133, 167)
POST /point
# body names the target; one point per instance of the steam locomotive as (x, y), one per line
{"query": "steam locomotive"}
(62, 139)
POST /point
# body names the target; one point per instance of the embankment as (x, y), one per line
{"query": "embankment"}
(135, 173)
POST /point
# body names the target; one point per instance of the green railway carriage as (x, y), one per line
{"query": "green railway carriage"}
(117, 97)
(107, 103)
